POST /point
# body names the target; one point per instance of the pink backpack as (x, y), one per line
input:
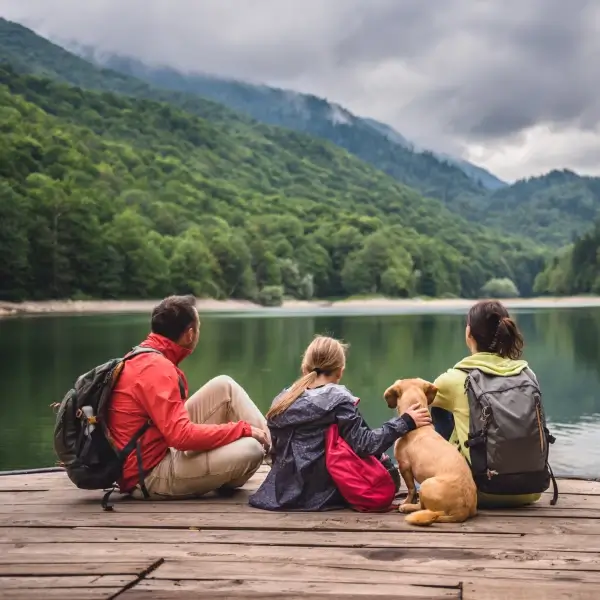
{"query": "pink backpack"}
(365, 483)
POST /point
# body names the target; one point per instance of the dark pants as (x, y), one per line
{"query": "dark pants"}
(443, 421)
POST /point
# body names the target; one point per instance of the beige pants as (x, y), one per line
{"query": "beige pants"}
(188, 474)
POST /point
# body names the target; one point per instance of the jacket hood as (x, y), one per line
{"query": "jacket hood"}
(312, 406)
(492, 364)
(171, 350)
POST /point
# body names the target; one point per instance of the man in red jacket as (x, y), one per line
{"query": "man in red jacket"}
(215, 440)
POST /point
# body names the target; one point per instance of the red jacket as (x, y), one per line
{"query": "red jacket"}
(148, 388)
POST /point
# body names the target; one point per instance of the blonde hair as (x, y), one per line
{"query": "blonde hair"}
(324, 356)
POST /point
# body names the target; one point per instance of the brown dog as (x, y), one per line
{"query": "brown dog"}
(448, 493)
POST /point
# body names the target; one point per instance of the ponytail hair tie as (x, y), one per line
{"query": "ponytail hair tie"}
(320, 371)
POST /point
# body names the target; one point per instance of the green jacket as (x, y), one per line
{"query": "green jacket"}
(451, 397)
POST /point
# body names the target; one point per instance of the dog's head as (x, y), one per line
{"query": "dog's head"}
(422, 391)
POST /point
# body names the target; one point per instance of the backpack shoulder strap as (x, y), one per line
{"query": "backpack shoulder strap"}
(531, 375)
(136, 350)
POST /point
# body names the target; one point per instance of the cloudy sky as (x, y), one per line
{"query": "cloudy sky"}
(512, 85)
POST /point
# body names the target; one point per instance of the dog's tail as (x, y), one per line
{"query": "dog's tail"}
(424, 517)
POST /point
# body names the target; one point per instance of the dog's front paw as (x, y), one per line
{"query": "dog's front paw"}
(409, 508)
(410, 499)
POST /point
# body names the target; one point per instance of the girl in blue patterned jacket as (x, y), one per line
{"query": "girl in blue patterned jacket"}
(298, 421)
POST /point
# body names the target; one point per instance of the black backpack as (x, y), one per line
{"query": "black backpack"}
(508, 437)
(82, 441)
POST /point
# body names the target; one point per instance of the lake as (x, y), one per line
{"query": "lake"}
(42, 356)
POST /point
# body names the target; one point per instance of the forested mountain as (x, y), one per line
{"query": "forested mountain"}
(553, 209)
(575, 270)
(432, 173)
(545, 209)
(29, 52)
(110, 196)
(368, 139)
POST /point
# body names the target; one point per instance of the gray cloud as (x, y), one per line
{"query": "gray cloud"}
(486, 79)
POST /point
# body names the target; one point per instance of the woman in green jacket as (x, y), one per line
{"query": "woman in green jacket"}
(496, 345)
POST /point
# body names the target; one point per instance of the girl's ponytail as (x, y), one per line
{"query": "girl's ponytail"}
(290, 396)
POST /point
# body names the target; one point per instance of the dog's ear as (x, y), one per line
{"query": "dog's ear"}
(430, 392)
(392, 394)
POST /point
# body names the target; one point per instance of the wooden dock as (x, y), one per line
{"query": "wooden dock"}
(57, 543)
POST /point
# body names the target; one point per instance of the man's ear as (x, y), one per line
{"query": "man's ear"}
(190, 334)
(392, 394)
(430, 392)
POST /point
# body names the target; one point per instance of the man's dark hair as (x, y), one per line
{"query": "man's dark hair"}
(173, 316)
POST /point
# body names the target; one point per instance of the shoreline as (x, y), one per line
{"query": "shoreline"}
(377, 305)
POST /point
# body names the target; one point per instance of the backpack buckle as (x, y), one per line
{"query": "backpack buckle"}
(485, 414)
(491, 473)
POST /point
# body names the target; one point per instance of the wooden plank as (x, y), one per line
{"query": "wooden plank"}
(99, 538)
(236, 588)
(339, 521)
(577, 486)
(33, 481)
(69, 489)
(102, 540)
(58, 593)
(60, 481)
(448, 572)
(93, 498)
(404, 558)
(95, 536)
(53, 502)
(289, 572)
(488, 589)
(545, 512)
(83, 566)
(80, 581)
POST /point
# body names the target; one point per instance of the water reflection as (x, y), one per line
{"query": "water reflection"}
(40, 357)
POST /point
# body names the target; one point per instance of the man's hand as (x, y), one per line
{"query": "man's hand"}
(262, 437)
(420, 415)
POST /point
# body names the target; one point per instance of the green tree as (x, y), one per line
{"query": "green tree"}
(500, 288)
(379, 267)
(15, 271)
(192, 266)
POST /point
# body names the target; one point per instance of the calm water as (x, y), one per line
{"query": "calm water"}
(41, 357)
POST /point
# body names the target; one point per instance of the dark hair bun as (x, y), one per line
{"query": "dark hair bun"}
(494, 330)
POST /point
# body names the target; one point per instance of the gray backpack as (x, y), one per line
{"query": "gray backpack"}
(508, 438)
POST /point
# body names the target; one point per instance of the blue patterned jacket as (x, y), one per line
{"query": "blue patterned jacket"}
(298, 479)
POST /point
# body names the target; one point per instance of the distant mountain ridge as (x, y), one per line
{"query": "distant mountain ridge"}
(553, 209)
(317, 116)
(487, 179)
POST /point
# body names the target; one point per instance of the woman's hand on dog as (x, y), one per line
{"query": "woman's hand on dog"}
(419, 414)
